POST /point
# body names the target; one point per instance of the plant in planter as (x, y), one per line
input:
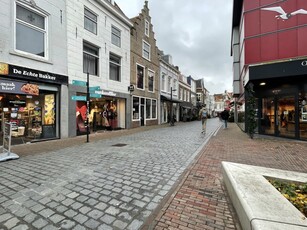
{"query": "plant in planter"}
(250, 111)
(295, 192)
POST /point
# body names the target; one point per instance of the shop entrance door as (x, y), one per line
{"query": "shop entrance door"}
(285, 117)
(142, 115)
(278, 116)
(268, 116)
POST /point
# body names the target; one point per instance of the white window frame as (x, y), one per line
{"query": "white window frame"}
(96, 56)
(90, 19)
(151, 74)
(163, 82)
(181, 94)
(169, 84)
(151, 117)
(139, 109)
(144, 77)
(146, 53)
(118, 65)
(156, 105)
(148, 116)
(44, 31)
(115, 35)
(175, 86)
(147, 25)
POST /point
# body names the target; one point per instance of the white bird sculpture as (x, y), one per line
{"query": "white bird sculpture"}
(282, 14)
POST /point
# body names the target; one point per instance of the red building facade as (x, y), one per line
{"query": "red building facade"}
(270, 54)
(273, 31)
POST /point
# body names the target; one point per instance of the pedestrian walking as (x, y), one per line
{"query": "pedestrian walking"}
(203, 115)
(225, 116)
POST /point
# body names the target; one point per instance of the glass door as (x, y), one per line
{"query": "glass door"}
(285, 116)
(278, 116)
(268, 116)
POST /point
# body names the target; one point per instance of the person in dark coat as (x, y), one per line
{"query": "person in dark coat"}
(225, 116)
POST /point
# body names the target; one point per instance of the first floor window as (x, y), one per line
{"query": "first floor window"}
(31, 33)
(154, 109)
(163, 82)
(90, 59)
(169, 84)
(136, 106)
(115, 67)
(140, 77)
(151, 81)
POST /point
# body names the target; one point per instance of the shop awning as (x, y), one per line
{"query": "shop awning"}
(164, 98)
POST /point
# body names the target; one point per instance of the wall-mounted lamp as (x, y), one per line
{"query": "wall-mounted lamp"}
(262, 83)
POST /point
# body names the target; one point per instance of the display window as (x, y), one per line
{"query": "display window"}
(33, 117)
(103, 115)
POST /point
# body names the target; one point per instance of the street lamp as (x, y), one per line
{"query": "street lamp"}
(172, 116)
(87, 106)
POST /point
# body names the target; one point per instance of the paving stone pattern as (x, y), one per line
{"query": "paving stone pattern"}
(105, 184)
(201, 201)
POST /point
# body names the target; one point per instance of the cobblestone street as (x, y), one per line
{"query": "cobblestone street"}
(105, 184)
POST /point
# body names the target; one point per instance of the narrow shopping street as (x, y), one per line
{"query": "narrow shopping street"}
(112, 183)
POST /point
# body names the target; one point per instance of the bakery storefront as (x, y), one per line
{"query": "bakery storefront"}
(30, 101)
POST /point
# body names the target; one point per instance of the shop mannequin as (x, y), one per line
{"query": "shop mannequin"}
(94, 110)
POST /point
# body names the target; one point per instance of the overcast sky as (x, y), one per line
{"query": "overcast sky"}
(196, 33)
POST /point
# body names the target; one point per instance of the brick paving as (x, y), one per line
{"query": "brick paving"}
(201, 201)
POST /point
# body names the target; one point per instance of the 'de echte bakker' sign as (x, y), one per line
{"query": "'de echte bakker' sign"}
(24, 73)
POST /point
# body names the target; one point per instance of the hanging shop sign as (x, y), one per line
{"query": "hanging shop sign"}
(16, 87)
(19, 72)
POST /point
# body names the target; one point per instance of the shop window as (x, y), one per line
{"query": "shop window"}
(31, 32)
(136, 108)
(90, 59)
(146, 50)
(115, 67)
(151, 81)
(115, 37)
(32, 116)
(148, 108)
(140, 77)
(154, 109)
(90, 21)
